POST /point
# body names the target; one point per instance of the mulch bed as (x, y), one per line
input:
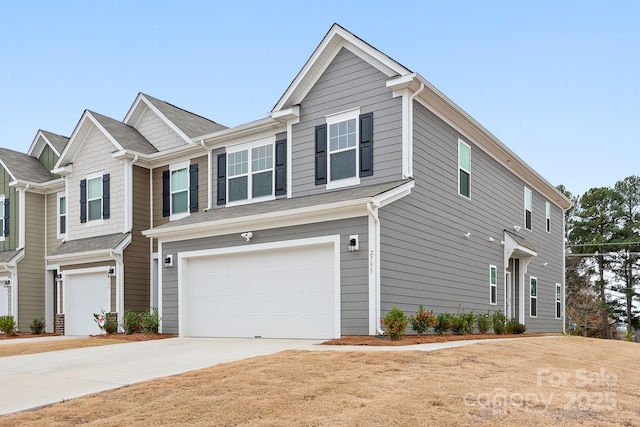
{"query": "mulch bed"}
(131, 337)
(415, 339)
(20, 335)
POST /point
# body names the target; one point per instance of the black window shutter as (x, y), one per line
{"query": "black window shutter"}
(83, 200)
(106, 198)
(193, 187)
(366, 144)
(281, 167)
(6, 217)
(166, 194)
(321, 154)
(222, 179)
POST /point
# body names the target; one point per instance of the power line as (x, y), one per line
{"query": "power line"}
(603, 244)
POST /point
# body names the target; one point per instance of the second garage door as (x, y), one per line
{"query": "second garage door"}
(84, 295)
(270, 293)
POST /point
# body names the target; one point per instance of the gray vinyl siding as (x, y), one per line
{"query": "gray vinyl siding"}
(354, 277)
(137, 257)
(31, 269)
(426, 258)
(347, 83)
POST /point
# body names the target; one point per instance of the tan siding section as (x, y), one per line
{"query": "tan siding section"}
(137, 257)
(52, 222)
(158, 132)
(31, 270)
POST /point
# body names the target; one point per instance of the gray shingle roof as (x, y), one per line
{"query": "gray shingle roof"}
(128, 137)
(521, 241)
(281, 205)
(7, 256)
(24, 167)
(110, 241)
(191, 124)
(58, 141)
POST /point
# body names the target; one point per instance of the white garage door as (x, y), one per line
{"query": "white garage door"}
(84, 295)
(272, 293)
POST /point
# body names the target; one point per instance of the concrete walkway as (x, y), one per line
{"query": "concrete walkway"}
(34, 380)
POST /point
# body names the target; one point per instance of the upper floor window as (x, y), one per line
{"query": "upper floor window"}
(344, 149)
(4, 217)
(548, 216)
(62, 216)
(250, 173)
(528, 208)
(95, 198)
(180, 190)
(464, 169)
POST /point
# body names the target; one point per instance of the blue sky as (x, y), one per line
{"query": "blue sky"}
(556, 81)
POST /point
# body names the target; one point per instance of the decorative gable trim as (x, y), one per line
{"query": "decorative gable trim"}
(336, 39)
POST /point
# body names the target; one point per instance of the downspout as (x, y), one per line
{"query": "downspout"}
(376, 220)
(22, 215)
(209, 160)
(129, 210)
(119, 274)
(410, 131)
(564, 276)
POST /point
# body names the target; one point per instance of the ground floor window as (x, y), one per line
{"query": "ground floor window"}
(533, 296)
(558, 300)
(493, 284)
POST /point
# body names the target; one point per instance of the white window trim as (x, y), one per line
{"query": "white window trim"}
(66, 214)
(555, 307)
(547, 222)
(531, 279)
(493, 285)
(527, 191)
(248, 147)
(460, 167)
(337, 118)
(172, 168)
(92, 222)
(4, 215)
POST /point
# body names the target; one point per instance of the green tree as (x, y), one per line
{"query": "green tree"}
(593, 228)
(627, 248)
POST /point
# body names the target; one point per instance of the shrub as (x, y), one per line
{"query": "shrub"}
(422, 321)
(444, 324)
(396, 323)
(150, 321)
(499, 321)
(483, 320)
(111, 324)
(8, 325)
(37, 326)
(515, 327)
(130, 322)
(457, 324)
(468, 322)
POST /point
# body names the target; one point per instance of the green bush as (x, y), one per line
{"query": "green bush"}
(483, 320)
(8, 325)
(422, 321)
(111, 324)
(37, 326)
(515, 327)
(468, 322)
(396, 323)
(150, 321)
(499, 322)
(130, 322)
(457, 324)
(445, 323)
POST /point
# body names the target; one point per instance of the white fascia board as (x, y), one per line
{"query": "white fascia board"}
(293, 217)
(39, 187)
(80, 257)
(287, 114)
(268, 123)
(132, 109)
(122, 246)
(64, 170)
(13, 178)
(393, 195)
(72, 141)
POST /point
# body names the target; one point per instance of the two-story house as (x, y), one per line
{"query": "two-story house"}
(26, 185)
(101, 261)
(365, 188)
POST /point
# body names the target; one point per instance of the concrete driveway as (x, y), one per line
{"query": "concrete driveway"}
(40, 379)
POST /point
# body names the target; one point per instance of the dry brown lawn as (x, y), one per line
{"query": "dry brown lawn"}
(32, 346)
(529, 381)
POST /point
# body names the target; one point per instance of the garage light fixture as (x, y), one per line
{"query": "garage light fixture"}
(111, 272)
(247, 236)
(353, 243)
(168, 261)
(59, 277)
(7, 283)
